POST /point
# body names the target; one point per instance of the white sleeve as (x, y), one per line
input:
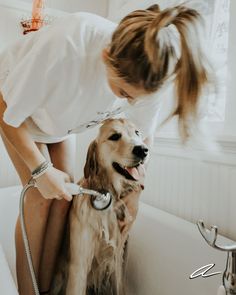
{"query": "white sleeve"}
(145, 115)
(26, 87)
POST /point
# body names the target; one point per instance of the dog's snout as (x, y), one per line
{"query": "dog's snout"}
(140, 151)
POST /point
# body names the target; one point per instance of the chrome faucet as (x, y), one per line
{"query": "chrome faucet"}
(229, 275)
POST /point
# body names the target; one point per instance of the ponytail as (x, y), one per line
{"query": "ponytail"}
(151, 45)
(191, 73)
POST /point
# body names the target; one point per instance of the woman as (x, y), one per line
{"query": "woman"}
(66, 78)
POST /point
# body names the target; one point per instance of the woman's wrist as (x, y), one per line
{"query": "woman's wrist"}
(34, 160)
(41, 169)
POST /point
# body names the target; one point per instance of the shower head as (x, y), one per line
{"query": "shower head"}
(99, 200)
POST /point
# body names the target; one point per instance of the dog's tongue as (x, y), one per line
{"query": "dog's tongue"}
(138, 172)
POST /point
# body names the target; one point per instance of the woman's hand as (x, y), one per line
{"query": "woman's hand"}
(51, 184)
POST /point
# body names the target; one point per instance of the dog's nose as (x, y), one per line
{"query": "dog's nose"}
(140, 151)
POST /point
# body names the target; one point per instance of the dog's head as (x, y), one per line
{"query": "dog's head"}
(118, 153)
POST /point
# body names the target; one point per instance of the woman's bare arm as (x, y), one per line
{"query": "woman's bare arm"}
(21, 140)
(51, 184)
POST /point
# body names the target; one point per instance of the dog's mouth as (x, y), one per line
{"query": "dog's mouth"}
(132, 173)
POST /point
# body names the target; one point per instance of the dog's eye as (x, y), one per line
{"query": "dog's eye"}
(137, 132)
(115, 136)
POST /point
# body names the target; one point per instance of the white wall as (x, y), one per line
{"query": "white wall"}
(95, 6)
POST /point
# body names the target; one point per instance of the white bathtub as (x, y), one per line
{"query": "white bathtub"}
(163, 251)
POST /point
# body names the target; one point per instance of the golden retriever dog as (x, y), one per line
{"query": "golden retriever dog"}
(94, 251)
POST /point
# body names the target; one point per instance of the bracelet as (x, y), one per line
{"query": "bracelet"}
(37, 169)
(41, 169)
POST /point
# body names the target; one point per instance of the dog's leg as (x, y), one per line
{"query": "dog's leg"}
(81, 256)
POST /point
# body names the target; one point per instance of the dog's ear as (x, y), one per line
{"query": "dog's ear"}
(91, 165)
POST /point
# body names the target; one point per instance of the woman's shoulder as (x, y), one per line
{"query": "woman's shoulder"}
(75, 35)
(82, 30)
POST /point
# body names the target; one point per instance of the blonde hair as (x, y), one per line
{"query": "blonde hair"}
(143, 52)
